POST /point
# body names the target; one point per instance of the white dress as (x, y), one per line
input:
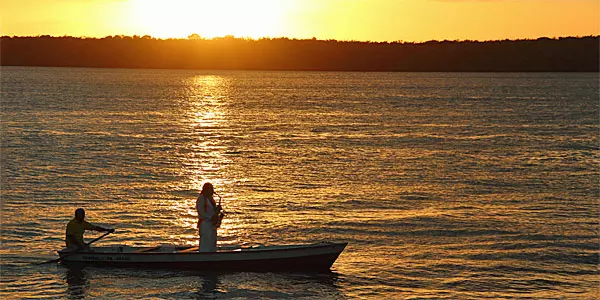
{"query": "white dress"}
(207, 231)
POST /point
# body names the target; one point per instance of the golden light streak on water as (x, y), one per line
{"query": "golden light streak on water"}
(204, 160)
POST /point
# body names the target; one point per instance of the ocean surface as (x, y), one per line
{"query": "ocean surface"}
(445, 185)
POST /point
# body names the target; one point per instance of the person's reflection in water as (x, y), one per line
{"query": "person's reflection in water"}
(208, 288)
(77, 282)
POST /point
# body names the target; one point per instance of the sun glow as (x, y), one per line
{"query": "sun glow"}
(210, 18)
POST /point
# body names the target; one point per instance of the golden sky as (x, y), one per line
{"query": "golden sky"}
(363, 20)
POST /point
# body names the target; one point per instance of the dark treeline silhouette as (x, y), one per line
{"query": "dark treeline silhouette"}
(568, 54)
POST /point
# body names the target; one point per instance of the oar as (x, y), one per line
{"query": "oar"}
(74, 251)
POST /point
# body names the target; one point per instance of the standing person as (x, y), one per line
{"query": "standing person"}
(76, 228)
(208, 217)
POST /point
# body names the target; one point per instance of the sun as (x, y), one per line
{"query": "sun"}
(210, 18)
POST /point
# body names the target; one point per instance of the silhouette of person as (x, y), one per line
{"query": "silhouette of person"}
(209, 218)
(76, 227)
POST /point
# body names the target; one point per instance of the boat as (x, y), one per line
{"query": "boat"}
(304, 257)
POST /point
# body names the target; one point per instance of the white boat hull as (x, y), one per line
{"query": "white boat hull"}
(265, 258)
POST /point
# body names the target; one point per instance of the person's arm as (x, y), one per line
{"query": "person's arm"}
(89, 226)
(111, 230)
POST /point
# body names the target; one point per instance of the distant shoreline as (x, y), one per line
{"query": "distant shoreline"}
(565, 54)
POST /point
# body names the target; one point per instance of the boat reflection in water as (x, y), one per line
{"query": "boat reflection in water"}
(77, 281)
(209, 284)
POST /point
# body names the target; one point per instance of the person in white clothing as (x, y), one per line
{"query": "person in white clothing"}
(208, 217)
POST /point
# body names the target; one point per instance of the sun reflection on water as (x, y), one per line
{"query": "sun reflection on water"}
(207, 121)
(203, 157)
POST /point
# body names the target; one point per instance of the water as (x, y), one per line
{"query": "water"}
(445, 185)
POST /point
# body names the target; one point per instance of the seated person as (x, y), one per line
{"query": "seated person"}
(76, 228)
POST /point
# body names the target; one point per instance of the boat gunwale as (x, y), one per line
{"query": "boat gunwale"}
(227, 252)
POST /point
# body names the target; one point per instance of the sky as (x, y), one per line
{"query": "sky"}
(361, 20)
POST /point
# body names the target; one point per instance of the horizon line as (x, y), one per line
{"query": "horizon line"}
(191, 37)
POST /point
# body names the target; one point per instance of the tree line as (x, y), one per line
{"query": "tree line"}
(566, 54)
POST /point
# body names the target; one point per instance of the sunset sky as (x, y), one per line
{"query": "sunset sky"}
(363, 20)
